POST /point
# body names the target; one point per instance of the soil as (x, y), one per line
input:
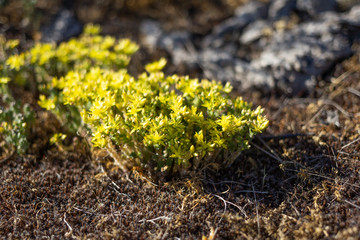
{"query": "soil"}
(299, 180)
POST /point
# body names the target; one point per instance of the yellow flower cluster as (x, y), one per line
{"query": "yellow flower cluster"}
(15, 119)
(174, 123)
(89, 50)
(168, 123)
(42, 65)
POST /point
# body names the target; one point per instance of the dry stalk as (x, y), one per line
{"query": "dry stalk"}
(116, 156)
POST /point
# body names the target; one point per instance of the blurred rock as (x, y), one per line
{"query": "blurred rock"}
(347, 4)
(252, 50)
(281, 8)
(353, 18)
(174, 42)
(308, 50)
(261, 79)
(232, 27)
(62, 27)
(151, 32)
(315, 7)
(254, 31)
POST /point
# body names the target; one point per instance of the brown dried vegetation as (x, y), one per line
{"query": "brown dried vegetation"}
(285, 186)
(300, 179)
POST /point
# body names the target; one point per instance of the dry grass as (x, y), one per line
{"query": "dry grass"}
(300, 179)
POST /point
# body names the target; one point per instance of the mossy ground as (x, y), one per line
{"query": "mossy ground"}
(300, 179)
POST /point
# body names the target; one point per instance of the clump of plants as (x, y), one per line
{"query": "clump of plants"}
(172, 124)
(36, 68)
(15, 119)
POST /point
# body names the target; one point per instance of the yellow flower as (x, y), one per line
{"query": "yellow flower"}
(57, 138)
(153, 138)
(108, 42)
(156, 66)
(199, 137)
(16, 61)
(126, 46)
(98, 139)
(13, 43)
(48, 104)
(4, 80)
(92, 29)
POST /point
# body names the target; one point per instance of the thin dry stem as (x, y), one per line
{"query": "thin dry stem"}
(233, 204)
(116, 156)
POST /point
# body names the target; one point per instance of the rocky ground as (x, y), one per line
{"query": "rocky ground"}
(301, 178)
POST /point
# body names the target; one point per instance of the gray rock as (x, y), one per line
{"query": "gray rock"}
(178, 41)
(151, 33)
(174, 42)
(308, 50)
(347, 4)
(353, 18)
(281, 8)
(233, 26)
(254, 31)
(260, 78)
(62, 27)
(315, 7)
(225, 67)
(289, 60)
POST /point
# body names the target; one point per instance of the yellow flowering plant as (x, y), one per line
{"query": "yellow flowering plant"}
(15, 122)
(173, 124)
(37, 67)
(166, 123)
(15, 119)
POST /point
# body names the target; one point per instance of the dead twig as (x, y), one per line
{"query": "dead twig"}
(283, 105)
(352, 204)
(212, 233)
(341, 78)
(227, 182)
(354, 91)
(251, 191)
(257, 212)
(334, 87)
(225, 206)
(90, 213)
(116, 187)
(268, 153)
(270, 149)
(322, 103)
(325, 177)
(337, 106)
(232, 204)
(155, 219)
(350, 143)
(68, 225)
(313, 117)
